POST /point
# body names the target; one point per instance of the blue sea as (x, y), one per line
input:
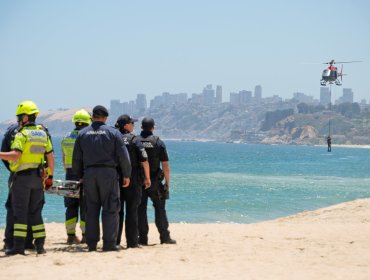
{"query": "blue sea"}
(241, 183)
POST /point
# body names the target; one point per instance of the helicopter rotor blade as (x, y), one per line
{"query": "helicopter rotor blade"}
(340, 62)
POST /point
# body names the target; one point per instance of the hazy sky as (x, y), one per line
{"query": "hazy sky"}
(65, 54)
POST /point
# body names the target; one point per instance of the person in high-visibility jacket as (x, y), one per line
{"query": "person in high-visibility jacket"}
(26, 159)
(9, 229)
(81, 119)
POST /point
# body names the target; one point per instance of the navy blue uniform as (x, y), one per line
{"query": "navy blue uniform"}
(9, 228)
(98, 152)
(157, 152)
(131, 196)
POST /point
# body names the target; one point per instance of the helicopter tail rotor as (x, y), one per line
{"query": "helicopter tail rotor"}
(341, 74)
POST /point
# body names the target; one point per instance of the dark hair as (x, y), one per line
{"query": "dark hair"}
(100, 111)
(147, 123)
(32, 118)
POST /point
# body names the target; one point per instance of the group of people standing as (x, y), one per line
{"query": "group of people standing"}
(118, 171)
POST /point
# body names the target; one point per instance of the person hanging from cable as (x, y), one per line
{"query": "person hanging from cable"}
(328, 140)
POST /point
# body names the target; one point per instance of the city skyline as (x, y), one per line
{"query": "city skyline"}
(212, 96)
(82, 53)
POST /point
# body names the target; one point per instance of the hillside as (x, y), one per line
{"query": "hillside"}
(229, 123)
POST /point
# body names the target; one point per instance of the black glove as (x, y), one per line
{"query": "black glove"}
(48, 182)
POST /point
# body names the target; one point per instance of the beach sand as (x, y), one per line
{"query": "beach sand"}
(329, 243)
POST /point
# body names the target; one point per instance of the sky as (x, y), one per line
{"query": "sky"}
(75, 53)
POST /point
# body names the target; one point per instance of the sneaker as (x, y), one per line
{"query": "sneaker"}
(73, 239)
(169, 241)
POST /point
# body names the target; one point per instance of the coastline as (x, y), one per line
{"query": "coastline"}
(328, 243)
(205, 140)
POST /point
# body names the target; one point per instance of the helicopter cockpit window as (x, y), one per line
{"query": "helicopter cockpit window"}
(326, 73)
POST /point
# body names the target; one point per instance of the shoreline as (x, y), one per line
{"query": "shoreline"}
(204, 140)
(328, 243)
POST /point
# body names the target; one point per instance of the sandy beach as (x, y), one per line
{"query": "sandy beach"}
(329, 243)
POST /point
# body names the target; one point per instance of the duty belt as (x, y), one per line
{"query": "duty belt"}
(26, 171)
(100, 165)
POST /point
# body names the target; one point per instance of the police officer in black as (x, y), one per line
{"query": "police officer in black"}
(131, 196)
(158, 192)
(98, 152)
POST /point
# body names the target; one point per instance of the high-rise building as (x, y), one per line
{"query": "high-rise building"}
(301, 97)
(168, 99)
(234, 98)
(325, 98)
(347, 95)
(116, 108)
(208, 95)
(141, 104)
(258, 93)
(245, 97)
(218, 94)
(197, 98)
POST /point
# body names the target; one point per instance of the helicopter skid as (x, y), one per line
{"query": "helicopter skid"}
(338, 83)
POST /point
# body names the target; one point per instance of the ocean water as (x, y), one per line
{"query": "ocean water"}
(240, 183)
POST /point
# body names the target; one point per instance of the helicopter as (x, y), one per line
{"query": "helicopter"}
(330, 75)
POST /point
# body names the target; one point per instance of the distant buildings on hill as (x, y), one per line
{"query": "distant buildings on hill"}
(211, 96)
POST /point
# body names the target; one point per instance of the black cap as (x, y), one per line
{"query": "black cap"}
(100, 111)
(147, 123)
(124, 119)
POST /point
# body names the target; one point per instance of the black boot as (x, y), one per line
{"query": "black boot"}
(39, 245)
(18, 247)
(7, 245)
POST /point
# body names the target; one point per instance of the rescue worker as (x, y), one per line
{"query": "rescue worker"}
(8, 240)
(81, 119)
(158, 192)
(6, 143)
(131, 196)
(328, 140)
(26, 160)
(98, 152)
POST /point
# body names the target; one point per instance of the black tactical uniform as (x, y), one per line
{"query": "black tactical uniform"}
(132, 194)
(98, 152)
(157, 153)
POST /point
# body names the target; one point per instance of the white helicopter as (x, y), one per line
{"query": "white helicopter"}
(330, 75)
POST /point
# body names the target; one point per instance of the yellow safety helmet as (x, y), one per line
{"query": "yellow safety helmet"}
(81, 116)
(27, 108)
